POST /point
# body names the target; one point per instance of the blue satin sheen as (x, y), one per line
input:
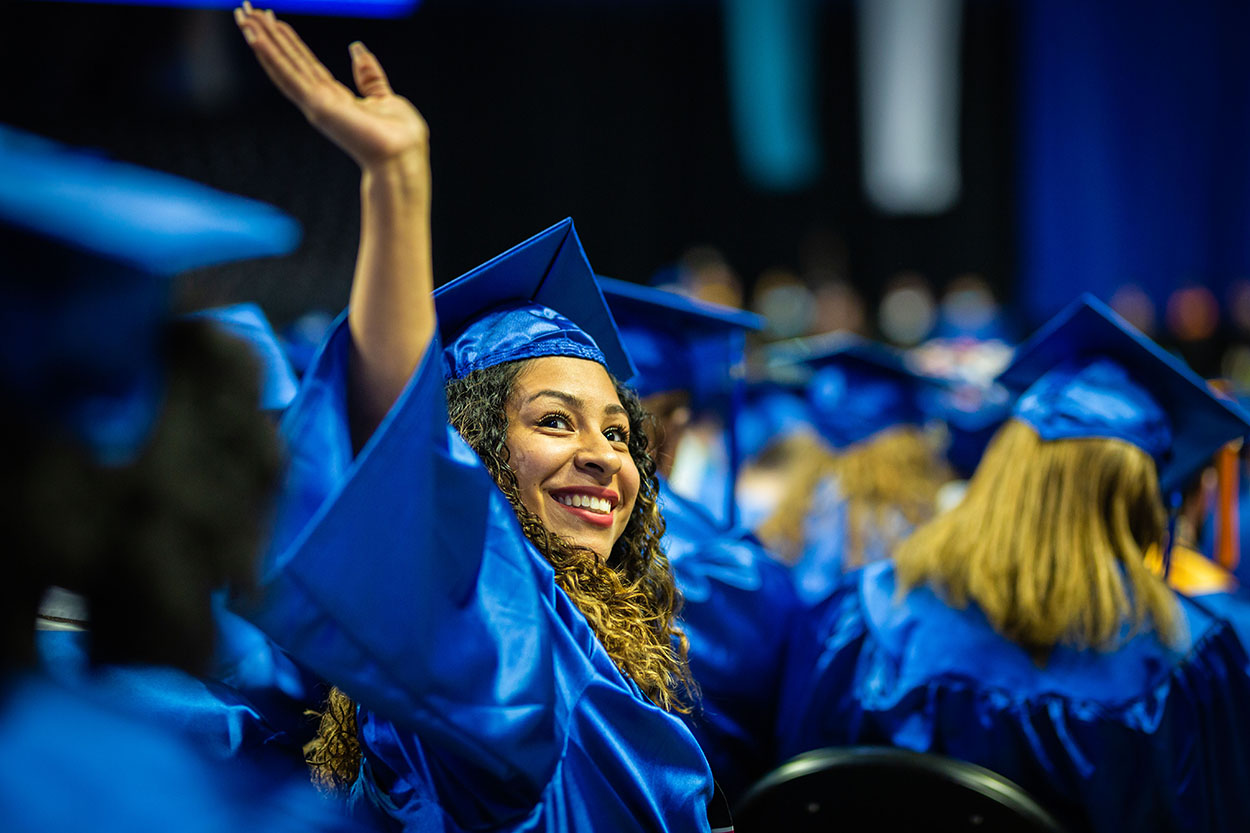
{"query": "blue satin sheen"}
(1095, 399)
(1142, 738)
(850, 403)
(515, 332)
(823, 565)
(739, 603)
(402, 576)
(70, 760)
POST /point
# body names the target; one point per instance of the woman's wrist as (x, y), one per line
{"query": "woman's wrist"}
(404, 178)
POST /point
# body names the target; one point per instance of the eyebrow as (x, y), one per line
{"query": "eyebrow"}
(574, 402)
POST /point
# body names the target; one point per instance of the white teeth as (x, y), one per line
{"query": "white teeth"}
(594, 504)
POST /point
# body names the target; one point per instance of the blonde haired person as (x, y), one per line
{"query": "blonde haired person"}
(869, 477)
(1023, 631)
(469, 543)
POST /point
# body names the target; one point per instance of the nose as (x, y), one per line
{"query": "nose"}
(598, 455)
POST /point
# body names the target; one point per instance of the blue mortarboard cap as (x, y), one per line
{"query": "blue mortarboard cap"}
(771, 409)
(248, 322)
(539, 298)
(88, 245)
(675, 342)
(857, 387)
(1088, 373)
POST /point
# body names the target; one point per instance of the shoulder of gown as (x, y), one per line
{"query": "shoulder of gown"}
(1117, 740)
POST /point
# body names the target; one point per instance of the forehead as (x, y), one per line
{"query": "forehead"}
(582, 379)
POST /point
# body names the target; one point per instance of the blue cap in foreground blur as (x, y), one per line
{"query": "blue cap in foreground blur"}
(539, 298)
(88, 247)
(1089, 373)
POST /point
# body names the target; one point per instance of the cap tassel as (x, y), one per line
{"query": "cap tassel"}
(1174, 510)
(1226, 532)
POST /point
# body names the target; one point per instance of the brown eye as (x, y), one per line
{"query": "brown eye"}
(617, 435)
(558, 422)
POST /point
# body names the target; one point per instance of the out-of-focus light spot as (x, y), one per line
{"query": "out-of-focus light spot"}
(968, 306)
(1235, 367)
(839, 307)
(909, 70)
(1132, 302)
(771, 48)
(705, 274)
(785, 303)
(1239, 304)
(908, 311)
(1193, 313)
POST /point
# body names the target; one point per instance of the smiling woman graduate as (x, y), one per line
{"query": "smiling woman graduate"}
(468, 545)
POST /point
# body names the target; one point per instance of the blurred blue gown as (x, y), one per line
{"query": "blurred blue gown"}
(251, 705)
(485, 700)
(822, 565)
(738, 611)
(1143, 738)
(71, 760)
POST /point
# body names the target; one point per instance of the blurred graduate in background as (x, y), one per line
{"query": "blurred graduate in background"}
(1023, 631)
(875, 476)
(139, 479)
(738, 600)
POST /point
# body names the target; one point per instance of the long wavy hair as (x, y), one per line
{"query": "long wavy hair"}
(631, 601)
(1049, 543)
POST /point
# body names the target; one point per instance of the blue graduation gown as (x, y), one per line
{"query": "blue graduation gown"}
(1142, 738)
(486, 702)
(252, 704)
(739, 603)
(821, 568)
(69, 760)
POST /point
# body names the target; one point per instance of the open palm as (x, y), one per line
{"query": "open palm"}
(374, 127)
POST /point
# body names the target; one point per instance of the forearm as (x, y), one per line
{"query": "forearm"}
(392, 312)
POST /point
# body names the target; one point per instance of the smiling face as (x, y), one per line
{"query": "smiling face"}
(568, 441)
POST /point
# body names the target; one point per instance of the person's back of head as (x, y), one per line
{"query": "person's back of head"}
(140, 465)
(1050, 538)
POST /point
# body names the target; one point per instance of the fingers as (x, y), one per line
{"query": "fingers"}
(288, 62)
(367, 72)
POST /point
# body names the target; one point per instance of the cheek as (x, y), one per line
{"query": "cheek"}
(630, 481)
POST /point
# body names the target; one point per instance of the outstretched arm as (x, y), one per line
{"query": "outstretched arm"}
(392, 312)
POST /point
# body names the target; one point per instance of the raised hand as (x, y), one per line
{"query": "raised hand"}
(376, 127)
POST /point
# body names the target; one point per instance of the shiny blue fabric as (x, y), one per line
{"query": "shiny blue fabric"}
(822, 566)
(69, 761)
(515, 332)
(850, 403)
(1095, 399)
(1142, 738)
(402, 576)
(739, 605)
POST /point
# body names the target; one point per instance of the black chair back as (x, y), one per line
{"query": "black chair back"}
(883, 789)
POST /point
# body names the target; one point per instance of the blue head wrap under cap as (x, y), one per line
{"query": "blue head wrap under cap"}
(515, 332)
(1095, 398)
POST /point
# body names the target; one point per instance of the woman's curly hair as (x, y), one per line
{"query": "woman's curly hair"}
(631, 601)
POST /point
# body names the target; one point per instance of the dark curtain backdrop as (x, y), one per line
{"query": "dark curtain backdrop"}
(614, 113)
